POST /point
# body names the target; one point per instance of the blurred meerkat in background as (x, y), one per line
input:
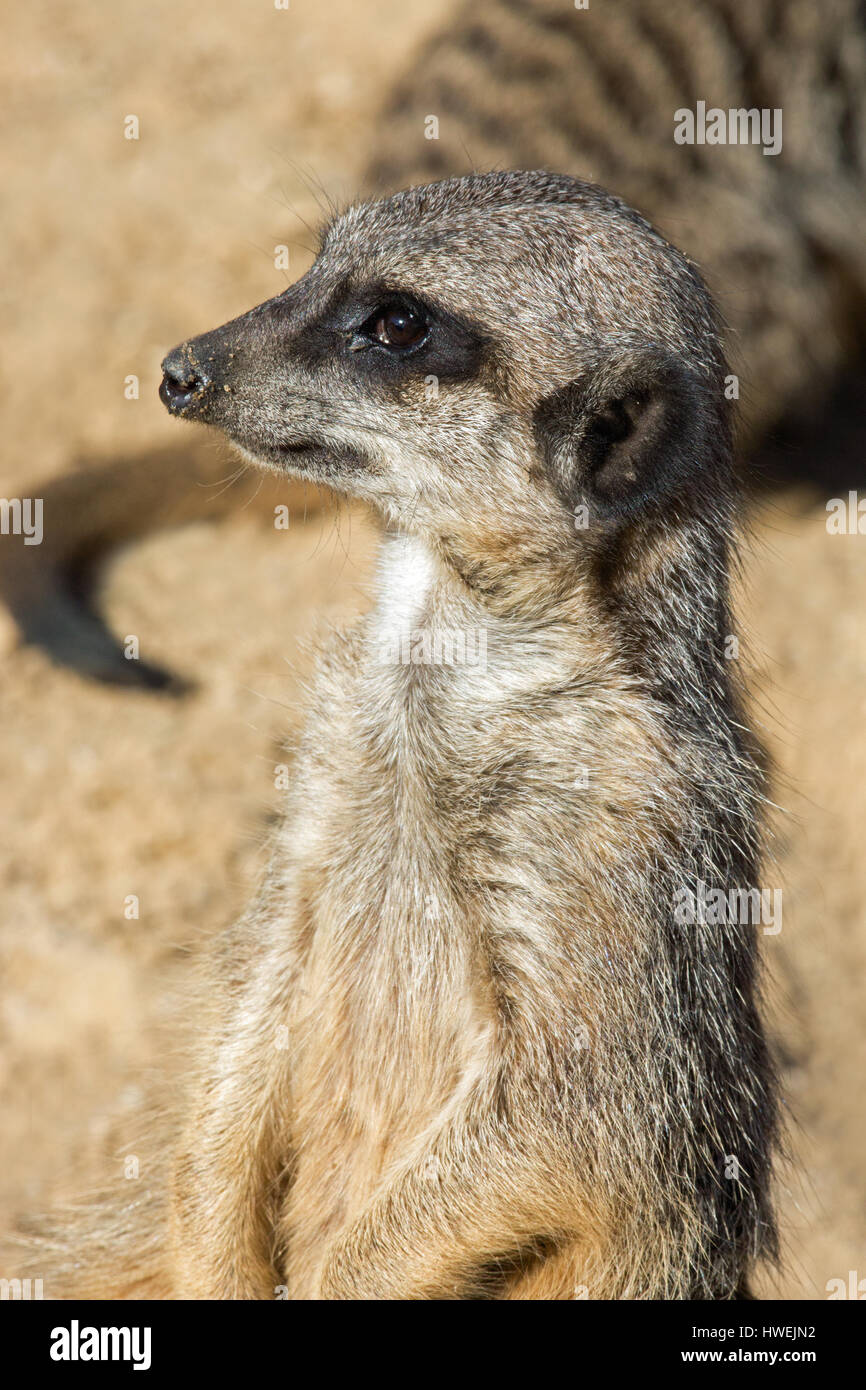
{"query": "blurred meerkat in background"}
(780, 237)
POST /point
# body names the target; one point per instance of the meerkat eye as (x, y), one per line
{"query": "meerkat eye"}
(397, 326)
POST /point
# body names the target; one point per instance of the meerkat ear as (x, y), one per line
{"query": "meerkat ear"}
(626, 435)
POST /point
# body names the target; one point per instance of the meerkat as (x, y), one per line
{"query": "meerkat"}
(462, 1046)
(780, 236)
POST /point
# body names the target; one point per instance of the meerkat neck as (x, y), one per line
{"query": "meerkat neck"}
(426, 615)
(671, 607)
(408, 573)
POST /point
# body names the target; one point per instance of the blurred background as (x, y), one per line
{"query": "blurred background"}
(250, 119)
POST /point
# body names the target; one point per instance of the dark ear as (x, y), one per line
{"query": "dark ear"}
(631, 433)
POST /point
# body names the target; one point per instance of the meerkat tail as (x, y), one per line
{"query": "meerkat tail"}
(101, 1249)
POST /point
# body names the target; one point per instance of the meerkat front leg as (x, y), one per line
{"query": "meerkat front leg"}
(235, 1153)
(480, 1192)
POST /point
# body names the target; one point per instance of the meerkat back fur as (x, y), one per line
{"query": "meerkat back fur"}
(461, 1046)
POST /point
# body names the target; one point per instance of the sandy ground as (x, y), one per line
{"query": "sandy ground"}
(117, 250)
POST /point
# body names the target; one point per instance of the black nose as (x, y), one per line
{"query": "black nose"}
(183, 381)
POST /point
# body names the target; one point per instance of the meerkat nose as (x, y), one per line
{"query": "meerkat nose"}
(183, 381)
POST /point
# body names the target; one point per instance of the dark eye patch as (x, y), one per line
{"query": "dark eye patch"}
(450, 348)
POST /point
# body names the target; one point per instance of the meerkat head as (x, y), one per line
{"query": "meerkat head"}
(485, 360)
